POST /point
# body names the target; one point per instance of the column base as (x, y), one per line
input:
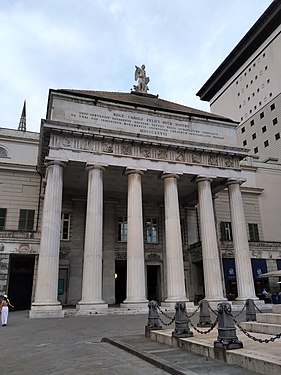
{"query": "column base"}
(138, 305)
(241, 301)
(84, 308)
(46, 310)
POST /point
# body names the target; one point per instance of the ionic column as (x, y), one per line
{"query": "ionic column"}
(244, 274)
(210, 252)
(136, 296)
(46, 303)
(174, 255)
(92, 267)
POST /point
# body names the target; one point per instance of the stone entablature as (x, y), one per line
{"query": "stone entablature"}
(262, 249)
(142, 150)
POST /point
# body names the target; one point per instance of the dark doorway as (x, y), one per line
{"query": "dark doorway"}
(153, 283)
(120, 280)
(21, 280)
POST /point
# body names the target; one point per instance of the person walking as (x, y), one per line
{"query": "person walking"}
(4, 307)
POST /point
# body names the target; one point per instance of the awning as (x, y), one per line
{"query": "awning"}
(271, 274)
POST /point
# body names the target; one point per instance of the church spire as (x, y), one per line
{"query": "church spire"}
(22, 123)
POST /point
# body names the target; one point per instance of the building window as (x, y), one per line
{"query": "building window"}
(275, 121)
(265, 68)
(3, 152)
(244, 142)
(243, 130)
(151, 230)
(270, 94)
(266, 143)
(272, 107)
(254, 136)
(122, 229)
(277, 136)
(262, 115)
(256, 150)
(26, 220)
(263, 129)
(252, 122)
(3, 212)
(254, 232)
(226, 232)
(65, 226)
(268, 80)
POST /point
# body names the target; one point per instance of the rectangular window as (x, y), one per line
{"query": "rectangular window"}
(226, 231)
(122, 229)
(263, 129)
(254, 136)
(243, 130)
(256, 150)
(275, 121)
(252, 122)
(277, 136)
(3, 212)
(272, 107)
(244, 142)
(266, 144)
(151, 230)
(254, 232)
(26, 220)
(262, 115)
(65, 226)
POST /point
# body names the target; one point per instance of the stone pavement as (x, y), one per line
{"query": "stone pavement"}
(74, 345)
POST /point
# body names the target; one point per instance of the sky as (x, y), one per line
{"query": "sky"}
(95, 45)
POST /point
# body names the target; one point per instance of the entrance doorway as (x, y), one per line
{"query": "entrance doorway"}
(120, 280)
(21, 280)
(62, 285)
(153, 283)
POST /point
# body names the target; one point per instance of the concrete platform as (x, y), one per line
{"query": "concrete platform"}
(261, 358)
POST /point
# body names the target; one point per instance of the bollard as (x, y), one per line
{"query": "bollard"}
(204, 318)
(153, 318)
(227, 338)
(181, 322)
(251, 315)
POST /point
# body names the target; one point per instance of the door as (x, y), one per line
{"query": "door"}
(153, 283)
(21, 280)
(62, 285)
(120, 280)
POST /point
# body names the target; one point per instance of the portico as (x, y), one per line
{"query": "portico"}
(133, 179)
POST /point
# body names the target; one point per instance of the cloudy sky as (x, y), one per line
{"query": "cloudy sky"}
(95, 44)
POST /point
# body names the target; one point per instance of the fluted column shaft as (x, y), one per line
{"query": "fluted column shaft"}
(92, 269)
(244, 274)
(210, 253)
(48, 263)
(174, 256)
(135, 246)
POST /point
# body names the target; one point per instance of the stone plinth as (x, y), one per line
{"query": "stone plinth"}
(46, 311)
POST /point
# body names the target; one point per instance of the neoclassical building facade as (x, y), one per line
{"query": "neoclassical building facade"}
(134, 178)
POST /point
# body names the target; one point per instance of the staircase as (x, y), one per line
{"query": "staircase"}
(267, 323)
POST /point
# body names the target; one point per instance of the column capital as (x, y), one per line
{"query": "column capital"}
(201, 178)
(139, 171)
(233, 180)
(61, 162)
(166, 174)
(90, 166)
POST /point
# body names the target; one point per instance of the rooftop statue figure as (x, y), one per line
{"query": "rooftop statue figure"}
(140, 76)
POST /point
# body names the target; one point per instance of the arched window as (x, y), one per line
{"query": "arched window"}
(3, 152)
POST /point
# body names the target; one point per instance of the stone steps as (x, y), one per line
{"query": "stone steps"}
(269, 318)
(269, 329)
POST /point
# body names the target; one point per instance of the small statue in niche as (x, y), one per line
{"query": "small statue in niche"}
(140, 76)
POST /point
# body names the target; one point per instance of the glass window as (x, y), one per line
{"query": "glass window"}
(243, 130)
(272, 107)
(151, 230)
(226, 231)
(262, 115)
(277, 136)
(3, 212)
(244, 142)
(252, 122)
(254, 136)
(256, 150)
(275, 121)
(266, 143)
(263, 129)
(26, 220)
(254, 232)
(122, 229)
(65, 226)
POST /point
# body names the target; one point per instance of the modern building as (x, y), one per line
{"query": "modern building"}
(247, 87)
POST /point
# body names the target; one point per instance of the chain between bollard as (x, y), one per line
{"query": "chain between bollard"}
(257, 308)
(271, 339)
(190, 316)
(213, 311)
(207, 331)
(236, 316)
(166, 316)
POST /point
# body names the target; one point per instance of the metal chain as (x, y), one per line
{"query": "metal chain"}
(271, 339)
(236, 316)
(207, 331)
(167, 316)
(190, 316)
(258, 308)
(213, 311)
